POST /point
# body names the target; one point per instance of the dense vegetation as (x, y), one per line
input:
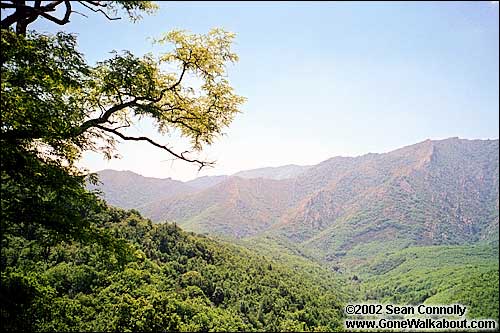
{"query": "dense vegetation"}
(465, 274)
(157, 277)
(71, 263)
(438, 275)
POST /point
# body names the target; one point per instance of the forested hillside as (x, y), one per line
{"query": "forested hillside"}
(236, 207)
(156, 277)
(436, 275)
(380, 221)
(465, 274)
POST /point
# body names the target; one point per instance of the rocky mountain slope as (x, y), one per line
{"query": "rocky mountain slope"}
(433, 192)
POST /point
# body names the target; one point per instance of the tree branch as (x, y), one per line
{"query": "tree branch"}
(105, 117)
(62, 21)
(25, 14)
(143, 138)
(9, 20)
(184, 68)
(33, 17)
(94, 3)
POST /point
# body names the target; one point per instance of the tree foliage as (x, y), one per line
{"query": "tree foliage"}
(55, 106)
(466, 274)
(54, 102)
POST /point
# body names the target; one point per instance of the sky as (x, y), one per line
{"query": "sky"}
(322, 79)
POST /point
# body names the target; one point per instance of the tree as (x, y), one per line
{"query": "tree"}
(24, 13)
(55, 106)
(105, 98)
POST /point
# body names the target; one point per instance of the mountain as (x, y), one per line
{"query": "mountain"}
(429, 193)
(236, 207)
(276, 173)
(204, 182)
(127, 189)
(434, 192)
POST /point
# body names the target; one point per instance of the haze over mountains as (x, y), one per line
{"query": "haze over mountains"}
(429, 193)
(127, 189)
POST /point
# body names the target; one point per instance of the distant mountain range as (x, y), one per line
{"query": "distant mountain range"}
(127, 189)
(433, 192)
(276, 173)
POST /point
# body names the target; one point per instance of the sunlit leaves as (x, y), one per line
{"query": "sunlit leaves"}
(41, 81)
(198, 99)
(55, 107)
(51, 96)
(132, 7)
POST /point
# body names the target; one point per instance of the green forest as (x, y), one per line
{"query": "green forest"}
(155, 277)
(71, 262)
(437, 275)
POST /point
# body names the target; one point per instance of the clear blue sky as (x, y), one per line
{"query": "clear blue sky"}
(324, 78)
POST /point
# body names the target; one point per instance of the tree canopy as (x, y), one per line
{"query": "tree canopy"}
(55, 106)
(51, 96)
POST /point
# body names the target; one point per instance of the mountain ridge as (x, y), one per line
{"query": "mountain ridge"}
(429, 193)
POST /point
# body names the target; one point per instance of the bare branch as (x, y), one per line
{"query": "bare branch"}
(33, 17)
(96, 3)
(4, 5)
(9, 20)
(62, 21)
(76, 12)
(143, 138)
(184, 68)
(25, 14)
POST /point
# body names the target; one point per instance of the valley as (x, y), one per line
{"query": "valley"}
(418, 224)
